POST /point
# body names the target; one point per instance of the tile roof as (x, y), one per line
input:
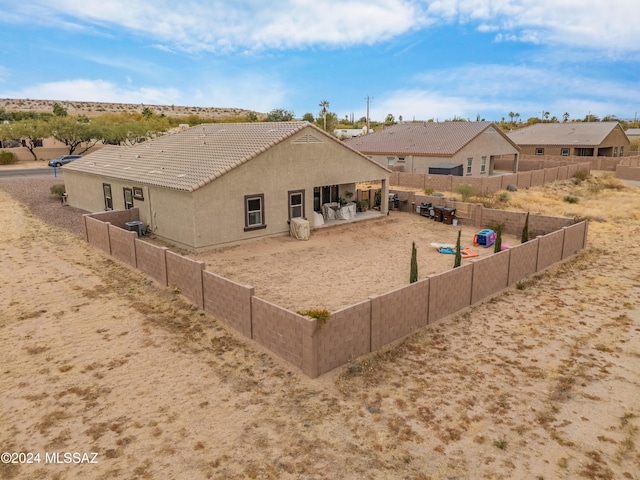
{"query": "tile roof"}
(189, 159)
(420, 138)
(574, 133)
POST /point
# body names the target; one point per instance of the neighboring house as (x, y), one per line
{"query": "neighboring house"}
(633, 134)
(580, 139)
(344, 133)
(217, 184)
(416, 146)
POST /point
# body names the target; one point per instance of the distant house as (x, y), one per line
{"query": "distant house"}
(344, 133)
(417, 146)
(217, 184)
(633, 134)
(580, 139)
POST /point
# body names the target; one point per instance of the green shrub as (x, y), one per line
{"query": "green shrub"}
(504, 197)
(413, 275)
(437, 194)
(467, 191)
(570, 199)
(428, 191)
(58, 189)
(8, 158)
(458, 258)
(320, 314)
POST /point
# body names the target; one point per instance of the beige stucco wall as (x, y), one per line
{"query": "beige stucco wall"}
(616, 138)
(286, 167)
(488, 143)
(168, 213)
(214, 214)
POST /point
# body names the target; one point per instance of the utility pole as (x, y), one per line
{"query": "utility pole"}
(368, 100)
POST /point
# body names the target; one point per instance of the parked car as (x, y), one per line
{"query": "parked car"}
(63, 160)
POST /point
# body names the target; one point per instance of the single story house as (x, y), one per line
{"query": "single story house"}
(580, 139)
(416, 146)
(633, 134)
(217, 184)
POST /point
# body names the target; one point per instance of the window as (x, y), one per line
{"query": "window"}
(539, 151)
(137, 193)
(128, 198)
(108, 199)
(391, 161)
(483, 165)
(400, 159)
(565, 152)
(622, 151)
(254, 212)
(615, 151)
(296, 204)
(469, 165)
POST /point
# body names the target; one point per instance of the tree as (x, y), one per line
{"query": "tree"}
(517, 115)
(252, 117)
(591, 118)
(29, 132)
(565, 117)
(59, 110)
(390, 120)
(73, 132)
(279, 115)
(147, 113)
(308, 117)
(525, 230)
(458, 260)
(545, 116)
(413, 276)
(511, 115)
(609, 118)
(323, 113)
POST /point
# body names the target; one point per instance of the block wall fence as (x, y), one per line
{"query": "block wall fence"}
(629, 169)
(523, 179)
(318, 347)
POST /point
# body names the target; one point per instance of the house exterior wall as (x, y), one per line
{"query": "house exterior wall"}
(220, 205)
(489, 143)
(168, 213)
(609, 147)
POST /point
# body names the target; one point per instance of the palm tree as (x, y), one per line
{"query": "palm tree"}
(511, 115)
(517, 115)
(565, 117)
(325, 105)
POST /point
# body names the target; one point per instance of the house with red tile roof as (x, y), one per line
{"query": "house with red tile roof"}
(417, 146)
(219, 184)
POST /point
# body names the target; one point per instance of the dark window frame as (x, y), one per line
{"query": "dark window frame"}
(138, 193)
(295, 192)
(539, 150)
(127, 204)
(108, 199)
(247, 226)
(567, 150)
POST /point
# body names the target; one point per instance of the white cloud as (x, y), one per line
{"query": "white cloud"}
(223, 26)
(96, 91)
(494, 90)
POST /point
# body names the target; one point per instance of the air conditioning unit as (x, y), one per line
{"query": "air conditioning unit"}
(135, 226)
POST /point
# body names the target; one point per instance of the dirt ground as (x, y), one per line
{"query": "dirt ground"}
(342, 265)
(541, 381)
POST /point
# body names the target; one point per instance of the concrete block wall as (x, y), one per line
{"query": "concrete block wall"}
(490, 275)
(523, 261)
(543, 224)
(345, 335)
(550, 248)
(152, 260)
(97, 233)
(439, 183)
(537, 178)
(450, 291)
(563, 172)
(491, 184)
(413, 180)
(475, 182)
(228, 300)
(550, 175)
(279, 330)
(360, 328)
(118, 217)
(123, 245)
(398, 313)
(574, 239)
(509, 179)
(523, 179)
(185, 274)
(629, 169)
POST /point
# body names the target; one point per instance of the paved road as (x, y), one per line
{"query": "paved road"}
(30, 172)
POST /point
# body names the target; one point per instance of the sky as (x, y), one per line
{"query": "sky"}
(415, 59)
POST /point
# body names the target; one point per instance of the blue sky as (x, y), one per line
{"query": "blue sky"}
(417, 59)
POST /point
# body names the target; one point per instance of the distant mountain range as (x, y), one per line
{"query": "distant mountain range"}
(93, 109)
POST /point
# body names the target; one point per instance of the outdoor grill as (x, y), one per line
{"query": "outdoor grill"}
(425, 209)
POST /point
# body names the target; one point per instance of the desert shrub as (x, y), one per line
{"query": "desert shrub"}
(570, 199)
(512, 188)
(57, 189)
(504, 197)
(609, 182)
(437, 194)
(320, 314)
(8, 158)
(428, 191)
(581, 174)
(467, 191)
